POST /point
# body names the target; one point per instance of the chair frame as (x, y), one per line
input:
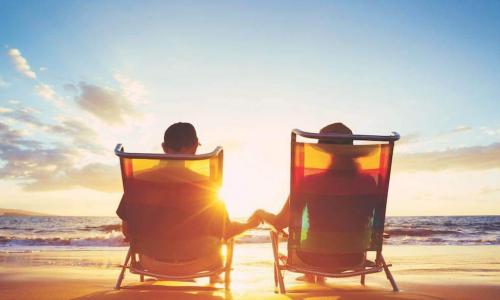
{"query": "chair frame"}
(131, 257)
(281, 264)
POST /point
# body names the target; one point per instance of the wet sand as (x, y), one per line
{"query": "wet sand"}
(422, 272)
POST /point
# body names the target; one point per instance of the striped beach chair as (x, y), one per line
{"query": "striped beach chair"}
(338, 197)
(175, 222)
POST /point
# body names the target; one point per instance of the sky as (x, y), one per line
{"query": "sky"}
(78, 77)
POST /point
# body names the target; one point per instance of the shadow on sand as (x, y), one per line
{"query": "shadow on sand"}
(166, 290)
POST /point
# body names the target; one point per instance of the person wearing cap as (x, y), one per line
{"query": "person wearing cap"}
(181, 138)
(342, 177)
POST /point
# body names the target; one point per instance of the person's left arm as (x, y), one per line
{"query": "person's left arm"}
(235, 228)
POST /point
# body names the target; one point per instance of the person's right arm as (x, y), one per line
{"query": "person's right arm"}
(125, 230)
(280, 220)
(121, 211)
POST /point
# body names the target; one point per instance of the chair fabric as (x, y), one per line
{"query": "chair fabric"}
(337, 203)
(172, 207)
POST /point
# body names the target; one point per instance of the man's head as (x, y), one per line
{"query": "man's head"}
(180, 138)
(338, 128)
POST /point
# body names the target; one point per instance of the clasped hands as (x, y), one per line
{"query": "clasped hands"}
(258, 217)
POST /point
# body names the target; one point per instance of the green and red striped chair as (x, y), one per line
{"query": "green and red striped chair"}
(338, 197)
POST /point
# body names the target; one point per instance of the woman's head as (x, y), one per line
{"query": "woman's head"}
(338, 128)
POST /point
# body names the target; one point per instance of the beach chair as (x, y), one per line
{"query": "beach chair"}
(174, 222)
(338, 196)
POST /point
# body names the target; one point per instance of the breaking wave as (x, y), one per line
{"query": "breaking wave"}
(17, 233)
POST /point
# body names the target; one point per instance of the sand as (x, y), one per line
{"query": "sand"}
(422, 272)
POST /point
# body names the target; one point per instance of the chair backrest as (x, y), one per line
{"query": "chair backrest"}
(171, 199)
(338, 193)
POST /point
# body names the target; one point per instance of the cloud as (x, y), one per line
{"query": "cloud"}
(490, 131)
(106, 104)
(3, 83)
(23, 115)
(456, 130)
(489, 190)
(21, 63)
(132, 89)
(70, 88)
(81, 135)
(5, 110)
(37, 168)
(409, 139)
(47, 92)
(95, 176)
(467, 158)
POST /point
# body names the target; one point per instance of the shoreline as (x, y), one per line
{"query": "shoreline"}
(422, 272)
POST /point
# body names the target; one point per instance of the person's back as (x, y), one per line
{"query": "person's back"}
(172, 201)
(320, 204)
(327, 206)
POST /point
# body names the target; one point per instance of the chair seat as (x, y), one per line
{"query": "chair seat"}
(368, 268)
(184, 268)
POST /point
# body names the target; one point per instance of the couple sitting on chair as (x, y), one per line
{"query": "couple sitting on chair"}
(151, 221)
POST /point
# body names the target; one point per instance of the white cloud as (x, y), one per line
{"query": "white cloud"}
(4, 110)
(490, 131)
(47, 92)
(466, 158)
(3, 83)
(40, 167)
(106, 104)
(21, 63)
(132, 89)
(456, 130)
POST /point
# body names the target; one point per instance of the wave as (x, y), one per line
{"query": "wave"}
(105, 228)
(116, 239)
(113, 239)
(253, 239)
(87, 232)
(420, 232)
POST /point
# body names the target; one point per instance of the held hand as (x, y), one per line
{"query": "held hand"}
(254, 220)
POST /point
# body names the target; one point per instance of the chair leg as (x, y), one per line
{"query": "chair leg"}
(122, 272)
(281, 282)
(229, 263)
(363, 275)
(142, 278)
(277, 272)
(389, 275)
(275, 278)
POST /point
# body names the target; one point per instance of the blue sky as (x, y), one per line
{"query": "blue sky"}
(246, 73)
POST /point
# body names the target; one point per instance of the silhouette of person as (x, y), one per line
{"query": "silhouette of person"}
(327, 201)
(193, 209)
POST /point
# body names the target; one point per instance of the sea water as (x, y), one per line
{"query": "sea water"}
(104, 233)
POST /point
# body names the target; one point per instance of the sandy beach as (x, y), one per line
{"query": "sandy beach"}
(422, 272)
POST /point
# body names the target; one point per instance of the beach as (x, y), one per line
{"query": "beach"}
(422, 272)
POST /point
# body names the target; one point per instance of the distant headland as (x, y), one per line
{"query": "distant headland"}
(4, 212)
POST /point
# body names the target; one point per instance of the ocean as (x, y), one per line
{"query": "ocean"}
(104, 233)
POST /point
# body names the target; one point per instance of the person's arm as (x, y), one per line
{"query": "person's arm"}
(280, 220)
(121, 211)
(125, 230)
(235, 228)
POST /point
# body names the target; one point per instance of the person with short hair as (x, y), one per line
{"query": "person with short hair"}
(181, 138)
